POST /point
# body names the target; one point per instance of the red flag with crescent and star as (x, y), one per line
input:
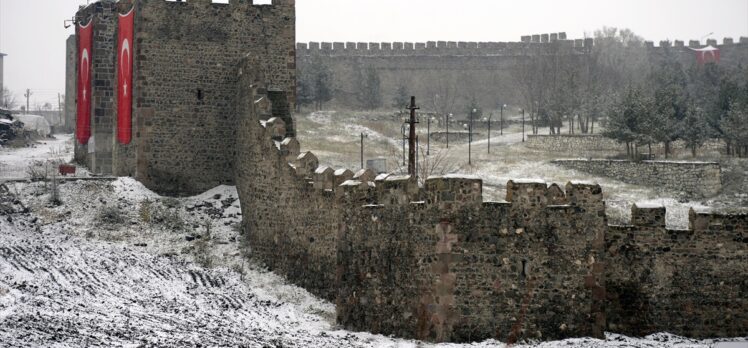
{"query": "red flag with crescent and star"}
(708, 54)
(85, 41)
(124, 77)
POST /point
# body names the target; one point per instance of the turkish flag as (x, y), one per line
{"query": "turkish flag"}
(85, 69)
(124, 77)
(707, 54)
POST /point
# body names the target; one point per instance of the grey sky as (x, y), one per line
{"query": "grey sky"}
(32, 34)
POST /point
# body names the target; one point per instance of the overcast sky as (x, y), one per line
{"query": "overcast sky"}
(33, 36)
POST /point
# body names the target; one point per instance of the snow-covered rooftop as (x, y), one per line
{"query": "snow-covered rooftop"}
(528, 181)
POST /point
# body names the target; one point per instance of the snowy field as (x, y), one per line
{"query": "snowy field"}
(116, 265)
(335, 138)
(15, 162)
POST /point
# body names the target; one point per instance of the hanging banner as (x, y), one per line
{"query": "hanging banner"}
(124, 77)
(85, 69)
(708, 54)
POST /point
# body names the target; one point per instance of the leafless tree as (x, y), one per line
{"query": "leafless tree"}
(442, 95)
(7, 99)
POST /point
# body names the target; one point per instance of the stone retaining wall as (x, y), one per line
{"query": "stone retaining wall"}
(697, 179)
(583, 143)
(573, 143)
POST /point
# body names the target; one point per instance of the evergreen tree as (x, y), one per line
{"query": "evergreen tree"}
(668, 86)
(401, 98)
(628, 117)
(304, 94)
(695, 130)
(735, 125)
(322, 86)
(369, 93)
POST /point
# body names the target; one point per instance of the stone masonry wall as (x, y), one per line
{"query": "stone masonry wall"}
(71, 83)
(287, 223)
(449, 269)
(466, 69)
(187, 56)
(572, 143)
(690, 282)
(474, 270)
(583, 143)
(99, 158)
(699, 179)
(439, 264)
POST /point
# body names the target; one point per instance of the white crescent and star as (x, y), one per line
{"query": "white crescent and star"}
(124, 66)
(85, 64)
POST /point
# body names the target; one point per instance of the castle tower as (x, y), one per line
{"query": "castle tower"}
(185, 58)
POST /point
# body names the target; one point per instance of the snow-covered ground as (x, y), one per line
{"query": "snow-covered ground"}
(117, 265)
(15, 162)
(335, 138)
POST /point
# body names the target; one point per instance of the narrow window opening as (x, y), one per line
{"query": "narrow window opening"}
(525, 269)
(200, 94)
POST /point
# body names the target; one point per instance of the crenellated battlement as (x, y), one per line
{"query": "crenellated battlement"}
(233, 4)
(463, 48)
(534, 198)
(485, 69)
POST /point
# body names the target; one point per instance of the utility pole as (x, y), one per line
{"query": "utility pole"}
(470, 138)
(362, 151)
(502, 118)
(418, 145)
(59, 109)
(428, 137)
(27, 95)
(489, 132)
(412, 138)
(403, 135)
(448, 129)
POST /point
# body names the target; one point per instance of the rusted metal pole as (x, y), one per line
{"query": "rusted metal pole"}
(412, 138)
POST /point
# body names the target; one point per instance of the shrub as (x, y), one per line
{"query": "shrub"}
(111, 215)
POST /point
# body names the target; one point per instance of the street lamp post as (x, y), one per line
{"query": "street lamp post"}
(470, 137)
(502, 119)
(362, 149)
(428, 136)
(489, 132)
(523, 125)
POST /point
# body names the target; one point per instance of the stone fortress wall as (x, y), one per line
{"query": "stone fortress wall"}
(466, 69)
(697, 179)
(214, 86)
(440, 264)
(186, 54)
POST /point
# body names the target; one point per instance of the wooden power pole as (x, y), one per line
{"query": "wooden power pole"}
(27, 95)
(412, 138)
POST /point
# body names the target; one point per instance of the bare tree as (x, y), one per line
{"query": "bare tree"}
(442, 95)
(7, 99)
(528, 77)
